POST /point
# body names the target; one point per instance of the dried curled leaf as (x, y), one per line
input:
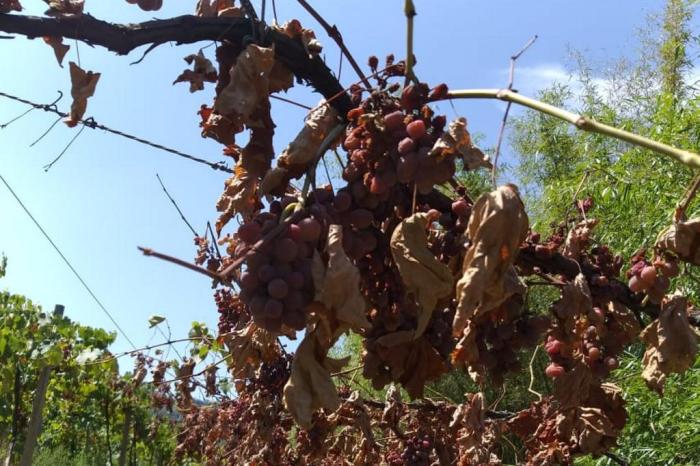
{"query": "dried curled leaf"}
(240, 195)
(248, 86)
(422, 274)
(203, 70)
(64, 7)
(683, 239)
(338, 284)
(589, 429)
(578, 238)
(310, 385)
(7, 6)
(671, 343)
(249, 347)
(294, 30)
(476, 439)
(83, 85)
(496, 228)
(457, 141)
(214, 8)
(59, 48)
(303, 149)
(147, 5)
(572, 388)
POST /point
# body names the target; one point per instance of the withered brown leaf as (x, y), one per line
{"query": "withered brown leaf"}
(422, 274)
(496, 228)
(147, 5)
(671, 343)
(64, 7)
(203, 70)
(683, 239)
(214, 8)
(295, 159)
(59, 48)
(248, 86)
(310, 385)
(457, 140)
(7, 6)
(249, 347)
(338, 284)
(83, 85)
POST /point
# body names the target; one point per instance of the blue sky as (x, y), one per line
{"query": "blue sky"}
(102, 199)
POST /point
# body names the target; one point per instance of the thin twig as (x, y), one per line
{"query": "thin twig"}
(501, 131)
(289, 101)
(532, 374)
(335, 34)
(195, 374)
(576, 193)
(180, 262)
(65, 149)
(179, 211)
(679, 214)
(5, 125)
(410, 11)
(581, 122)
(348, 371)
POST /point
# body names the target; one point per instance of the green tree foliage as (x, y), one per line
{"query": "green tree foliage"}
(635, 193)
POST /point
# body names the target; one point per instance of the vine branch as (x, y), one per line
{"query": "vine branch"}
(581, 122)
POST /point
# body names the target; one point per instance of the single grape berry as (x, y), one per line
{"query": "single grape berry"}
(249, 281)
(416, 129)
(648, 274)
(286, 249)
(310, 230)
(277, 288)
(393, 120)
(361, 218)
(266, 273)
(406, 145)
(594, 353)
(342, 201)
(273, 308)
(460, 208)
(554, 370)
(636, 284)
(249, 232)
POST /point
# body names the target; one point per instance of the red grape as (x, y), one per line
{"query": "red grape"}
(295, 232)
(416, 129)
(249, 281)
(310, 230)
(612, 363)
(393, 120)
(361, 218)
(553, 347)
(351, 143)
(342, 201)
(273, 308)
(594, 353)
(648, 274)
(266, 273)
(636, 284)
(277, 288)
(286, 249)
(406, 145)
(460, 208)
(296, 280)
(554, 370)
(249, 232)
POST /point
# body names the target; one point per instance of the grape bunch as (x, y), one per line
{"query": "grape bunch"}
(276, 282)
(232, 311)
(417, 450)
(654, 279)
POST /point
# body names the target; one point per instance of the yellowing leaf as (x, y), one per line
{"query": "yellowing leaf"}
(83, 85)
(671, 343)
(496, 228)
(457, 141)
(422, 274)
(203, 70)
(338, 286)
(59, 48)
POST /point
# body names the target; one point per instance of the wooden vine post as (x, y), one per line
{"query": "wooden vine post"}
(36, 420)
